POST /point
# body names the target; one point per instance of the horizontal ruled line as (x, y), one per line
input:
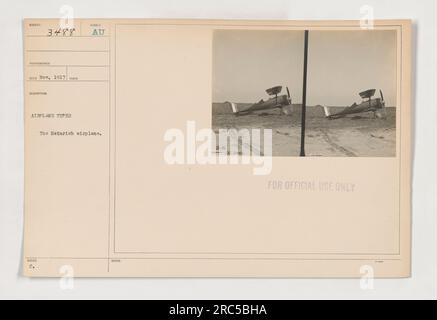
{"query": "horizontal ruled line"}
(62, 37)
(67, 80)
(67, 50)
(262, 253)
(205, 258)
(68, 65)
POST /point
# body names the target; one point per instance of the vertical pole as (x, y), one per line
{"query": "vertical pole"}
(304, 97)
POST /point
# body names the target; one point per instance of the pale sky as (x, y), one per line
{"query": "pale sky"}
(340, 65)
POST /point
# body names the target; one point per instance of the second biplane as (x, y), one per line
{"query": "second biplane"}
(377, 106)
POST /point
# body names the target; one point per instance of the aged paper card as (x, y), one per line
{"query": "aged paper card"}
(210, 148)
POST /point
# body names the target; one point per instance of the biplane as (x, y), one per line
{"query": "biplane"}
(377, 106)
(276, 101)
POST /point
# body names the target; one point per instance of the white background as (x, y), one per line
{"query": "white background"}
(423, 283)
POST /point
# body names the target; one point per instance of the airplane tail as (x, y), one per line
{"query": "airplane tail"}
(233, 106)
(327, 111)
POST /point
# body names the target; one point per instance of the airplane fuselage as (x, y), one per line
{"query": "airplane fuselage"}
(366, 106)
(272, 103)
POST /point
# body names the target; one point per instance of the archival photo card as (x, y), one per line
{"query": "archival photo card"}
(217, 148)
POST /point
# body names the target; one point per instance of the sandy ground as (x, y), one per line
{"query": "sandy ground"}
(353, 136)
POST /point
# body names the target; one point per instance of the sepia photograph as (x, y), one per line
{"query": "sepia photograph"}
(322, 93)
